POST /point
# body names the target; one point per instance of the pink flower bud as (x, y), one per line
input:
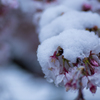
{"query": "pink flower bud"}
(86, 7)
(93, 89)
(94, 63)
(54, 57)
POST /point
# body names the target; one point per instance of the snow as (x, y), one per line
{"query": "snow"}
(70, 20)
(63, 27)
(51, 14)
(75, 44)
(75, 4)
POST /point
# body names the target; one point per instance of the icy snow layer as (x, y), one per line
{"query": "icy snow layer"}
(75, 44)
(69, 20)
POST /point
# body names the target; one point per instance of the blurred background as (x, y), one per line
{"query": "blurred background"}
(21, 77)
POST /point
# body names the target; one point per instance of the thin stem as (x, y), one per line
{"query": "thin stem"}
(80, 93)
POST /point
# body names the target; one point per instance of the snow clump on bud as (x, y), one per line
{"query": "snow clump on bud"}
(71, 59)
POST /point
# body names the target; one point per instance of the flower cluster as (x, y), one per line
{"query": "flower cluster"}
(69, 53)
